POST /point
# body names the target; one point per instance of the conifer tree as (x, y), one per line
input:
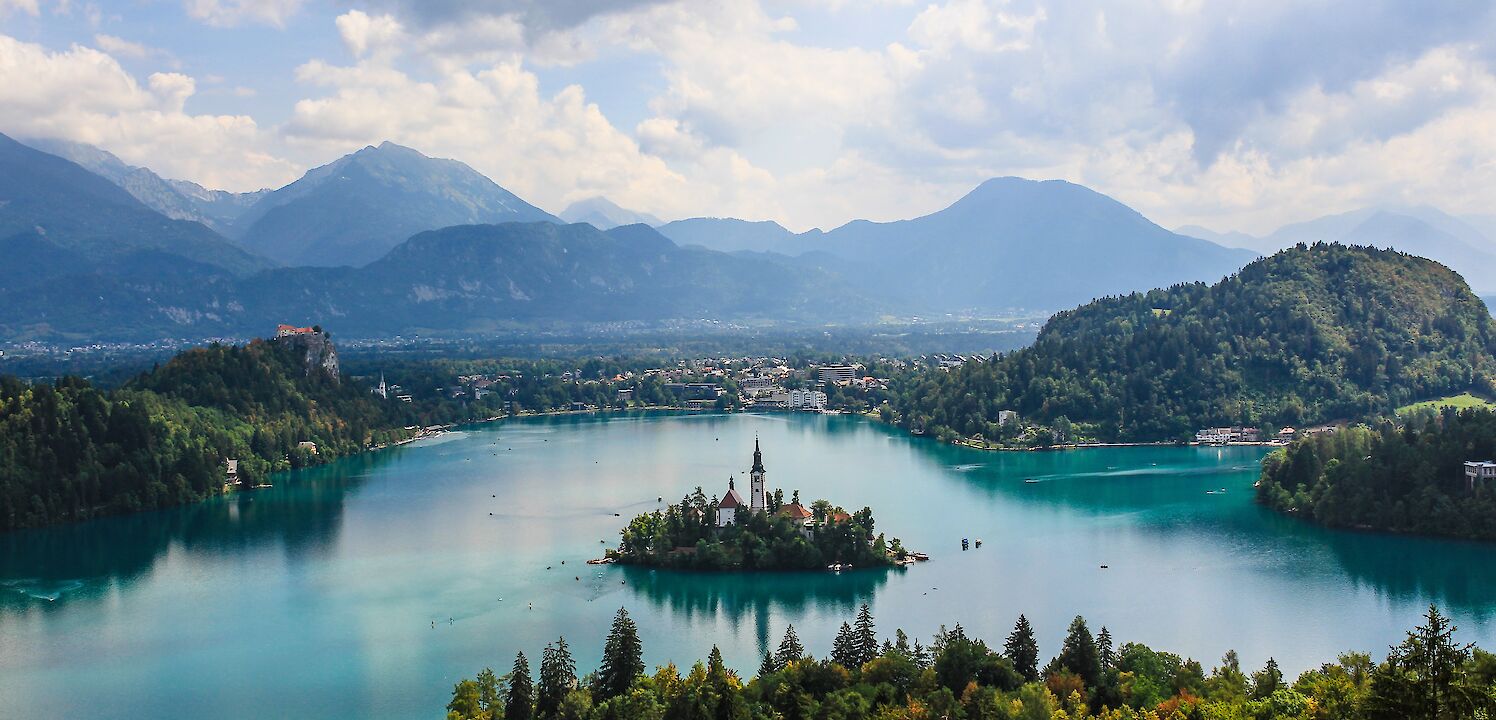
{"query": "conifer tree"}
(790, 648)
(558, 675)
(519, 702)
(844, 648)
(623, 659)
(1267, 681)
(866, 637)
(1022, 650)
(1079, 655)
(768, 666)
(1104, 650)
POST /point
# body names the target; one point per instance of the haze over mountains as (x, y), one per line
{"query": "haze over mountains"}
(1462, 244)
(355, 209)
(387, 240)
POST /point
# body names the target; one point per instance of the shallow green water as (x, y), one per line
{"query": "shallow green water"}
(366, 588)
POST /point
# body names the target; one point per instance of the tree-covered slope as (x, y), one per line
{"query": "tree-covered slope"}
(1408, 479)
(70, 451)
(1311, 334)
(79, 212)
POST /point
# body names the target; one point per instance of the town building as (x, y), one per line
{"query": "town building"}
(807, 400)
(836, 373)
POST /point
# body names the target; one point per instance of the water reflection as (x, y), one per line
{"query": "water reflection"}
(302, 516)
(758, 596)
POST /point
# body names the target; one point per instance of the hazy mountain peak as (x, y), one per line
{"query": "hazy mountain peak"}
(176, 199)
(604, 214)
(355, 209)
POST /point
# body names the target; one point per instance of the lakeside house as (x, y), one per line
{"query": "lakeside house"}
(1477, 471)
(1225, 435)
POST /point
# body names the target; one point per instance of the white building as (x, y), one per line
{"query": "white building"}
(727, 508)
(1479, 470)
(836, 373)
(807, 400)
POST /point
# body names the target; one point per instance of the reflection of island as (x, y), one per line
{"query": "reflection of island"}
(760, 595)
(302, 513)
(761, 533)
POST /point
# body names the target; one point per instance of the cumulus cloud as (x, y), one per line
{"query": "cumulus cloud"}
(546, 148)
(228, 13)
(84, 95)
(1234, 115)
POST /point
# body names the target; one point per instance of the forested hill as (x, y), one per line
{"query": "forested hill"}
(1409, 479)
(70, 451)
(1311, 334)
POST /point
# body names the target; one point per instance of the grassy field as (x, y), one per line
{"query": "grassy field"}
(1463, 400)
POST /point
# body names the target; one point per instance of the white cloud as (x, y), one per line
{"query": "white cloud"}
(121, 47)
(26, 6)
(84, 95)
(228, 13)
(547, 149)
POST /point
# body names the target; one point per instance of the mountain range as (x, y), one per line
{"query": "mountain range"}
(386, 240)
(1461, 243)
(355, 209)
(176, 199)
(1009, 243)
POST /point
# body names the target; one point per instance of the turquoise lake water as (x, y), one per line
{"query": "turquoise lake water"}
(365, 589)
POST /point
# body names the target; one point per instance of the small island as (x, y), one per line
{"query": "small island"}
(762, 533)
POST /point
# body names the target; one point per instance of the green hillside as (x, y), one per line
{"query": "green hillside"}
(1311, 334)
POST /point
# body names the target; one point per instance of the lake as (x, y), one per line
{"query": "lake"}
(366, 588)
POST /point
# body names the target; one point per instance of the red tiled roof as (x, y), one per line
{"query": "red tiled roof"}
(795, 511)
(731, 500)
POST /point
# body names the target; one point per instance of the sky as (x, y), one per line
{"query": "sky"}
(1232, 115)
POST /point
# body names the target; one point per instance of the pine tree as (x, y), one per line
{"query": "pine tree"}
(1023, 650)
(790, 648)
(623, 659)
(1267, 681)
(1104, 650)
(920, 655)
(558, 675)
(844, 648)
(1079, 655)
(769, 666)
(866, 637)
(519, 703)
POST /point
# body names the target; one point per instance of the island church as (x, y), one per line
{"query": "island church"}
(732, 503)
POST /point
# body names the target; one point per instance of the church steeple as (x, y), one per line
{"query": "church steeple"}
(757, 502)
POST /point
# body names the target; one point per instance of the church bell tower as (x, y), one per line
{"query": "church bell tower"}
(756, 501)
